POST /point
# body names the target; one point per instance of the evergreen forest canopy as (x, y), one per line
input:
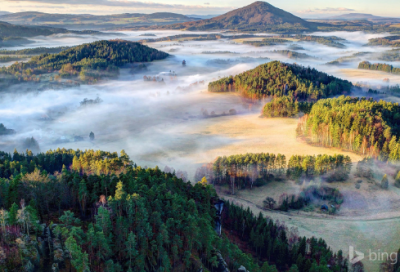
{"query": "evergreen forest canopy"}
(95, 56)
(280, 79)
(379, 67)
(267, 42)
(331, 41)
(361, 125)
(244, 170)
(10, 30)
(285, 106)
(98, 211)
(34, 51)
(293, 54)
(385, 41)
(15, 35)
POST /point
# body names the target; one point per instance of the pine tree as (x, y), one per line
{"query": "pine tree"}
(79, 259)
(385, 182)
(12, 215)
(83, 195)
(131, 250)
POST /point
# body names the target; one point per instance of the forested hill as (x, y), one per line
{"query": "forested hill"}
(10, 30)
(383, 67)
(259, 16)
(361, 125)
(67, 210)
(96, 55)
(279, 79)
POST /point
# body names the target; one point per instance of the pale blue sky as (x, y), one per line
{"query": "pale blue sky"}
(302, 8)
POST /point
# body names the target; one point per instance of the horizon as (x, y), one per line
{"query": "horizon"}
(310, 9)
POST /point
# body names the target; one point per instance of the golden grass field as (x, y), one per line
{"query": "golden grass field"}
(252, 134)
(184, 139)
(361, 74)
(369, 222)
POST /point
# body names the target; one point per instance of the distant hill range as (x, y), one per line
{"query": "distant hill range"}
(88, 21)
(259, 16)
(13, 35)
(364, 16)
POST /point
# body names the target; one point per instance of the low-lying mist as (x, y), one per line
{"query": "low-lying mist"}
(155, 122)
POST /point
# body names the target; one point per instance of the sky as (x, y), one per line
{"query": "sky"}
(302, 8)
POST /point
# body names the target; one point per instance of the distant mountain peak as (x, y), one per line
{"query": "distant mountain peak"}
(256, 16)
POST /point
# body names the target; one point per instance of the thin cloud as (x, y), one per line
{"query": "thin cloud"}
(117, 3)
(325, 10)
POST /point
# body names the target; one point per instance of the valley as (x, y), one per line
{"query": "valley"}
(252, 141)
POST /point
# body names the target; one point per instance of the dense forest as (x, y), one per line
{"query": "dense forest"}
(379, 67)
(12, 58)
(13, 41)
(34, 51)
(357, 124)
(392, 55)
(283, 249)
(279, 79)
(267, 42)
(331, 41)
(67, 210)
(285, 106)
(246, 170)
(385, 41)
(293, 54)
(10, 30)
(197, 37)
(348, 58)
(87, 60)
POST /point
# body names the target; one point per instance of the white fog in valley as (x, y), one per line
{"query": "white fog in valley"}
(163, 123)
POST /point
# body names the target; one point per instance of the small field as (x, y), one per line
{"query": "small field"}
(361, 74)
(252, 134)
(364, 235)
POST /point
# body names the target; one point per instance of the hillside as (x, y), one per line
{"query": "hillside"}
(98, 211)
(355, 16)
(16, 35)
(11, 30)
(279, 79)
(90, 60)
(364, 16)
(361, 125)
(88, 21)
(259, 16)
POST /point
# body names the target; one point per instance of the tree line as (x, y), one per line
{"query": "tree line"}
(34, 51)
(385, 41)
(379, 67)
(245, 170)
(283, 248)
(267, 42)
(331, 41)
(279, 79)
(72, 217)
(91, 57)
(358, 124)
(285, 106)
